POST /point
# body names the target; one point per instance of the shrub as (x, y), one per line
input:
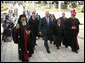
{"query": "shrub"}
(4, 8)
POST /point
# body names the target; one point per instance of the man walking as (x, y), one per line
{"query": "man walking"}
(44, 29)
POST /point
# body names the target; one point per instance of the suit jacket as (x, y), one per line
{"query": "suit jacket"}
(44, 28)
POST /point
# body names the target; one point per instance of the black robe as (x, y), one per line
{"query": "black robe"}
(58, 31)
(63, 19)
(52, 36)
(70, 37)
(18, 38)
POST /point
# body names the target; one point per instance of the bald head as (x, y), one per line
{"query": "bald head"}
(47, 13)
(63, 14)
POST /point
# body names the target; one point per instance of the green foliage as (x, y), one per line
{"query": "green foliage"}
(79, 8)
(4, 8)
(43, 8)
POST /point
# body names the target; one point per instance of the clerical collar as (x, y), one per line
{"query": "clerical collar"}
(59, 25)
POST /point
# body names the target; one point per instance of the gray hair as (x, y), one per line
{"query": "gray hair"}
(63, 13)
(47, 12)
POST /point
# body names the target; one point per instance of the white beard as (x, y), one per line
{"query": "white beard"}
(24, 23)
(59, 25)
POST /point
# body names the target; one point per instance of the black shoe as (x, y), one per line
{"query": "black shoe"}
(24, 61)
(73, 50)
(50, 42)
(35, 44)
(57, 47)
(48, 51)
(54, 43)
(66, 46)
(76, 52)
(30, 55)
(32, 52)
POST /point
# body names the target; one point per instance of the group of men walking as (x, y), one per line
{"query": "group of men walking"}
(62, 30)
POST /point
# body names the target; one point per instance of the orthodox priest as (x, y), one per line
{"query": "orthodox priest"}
(20, 35)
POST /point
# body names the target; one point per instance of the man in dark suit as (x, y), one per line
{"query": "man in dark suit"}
(44, 29)
(33, 25)
(63, 18)
(63, 21)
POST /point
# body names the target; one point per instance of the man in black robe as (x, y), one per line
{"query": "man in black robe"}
(58, 32)
(71, 32)
(53, 20)
(20, 36)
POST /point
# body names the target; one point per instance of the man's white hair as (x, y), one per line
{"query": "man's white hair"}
(47, 12)
(63, 13)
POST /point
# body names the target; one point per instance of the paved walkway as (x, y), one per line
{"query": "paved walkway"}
(9, 52)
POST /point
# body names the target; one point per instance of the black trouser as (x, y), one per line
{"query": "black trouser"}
(30, 48)
(46, 37)
(46, 45)
(34, 40)
(31, 44)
